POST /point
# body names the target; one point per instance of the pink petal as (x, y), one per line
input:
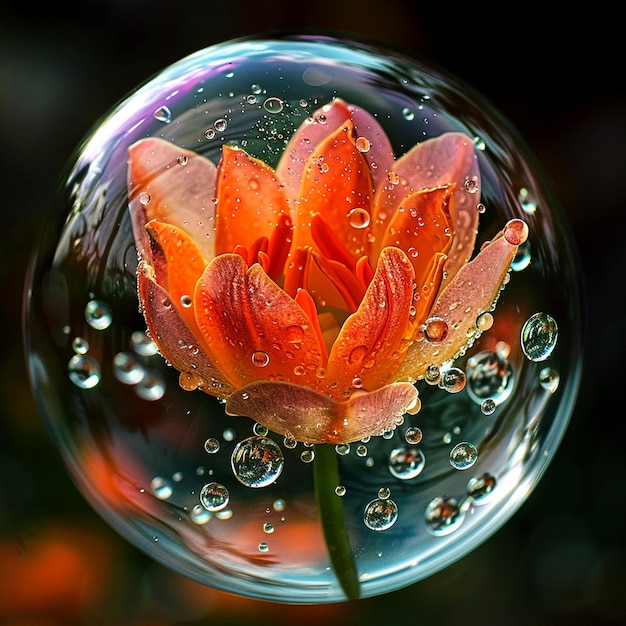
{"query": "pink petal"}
(172, 185)
(306, 415)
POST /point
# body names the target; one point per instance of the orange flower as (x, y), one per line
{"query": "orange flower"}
(313, 296)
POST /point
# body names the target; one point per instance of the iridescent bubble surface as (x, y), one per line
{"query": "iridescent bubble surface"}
(222, 499)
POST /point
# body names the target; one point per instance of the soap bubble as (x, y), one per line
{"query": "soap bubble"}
(177, 466)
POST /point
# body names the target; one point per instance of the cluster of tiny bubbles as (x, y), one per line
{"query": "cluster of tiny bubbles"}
(539, 336)
(463, 455)
(257, 461)
(382, 512)
(490, 379)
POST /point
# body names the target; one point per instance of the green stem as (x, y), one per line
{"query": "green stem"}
(330, 507)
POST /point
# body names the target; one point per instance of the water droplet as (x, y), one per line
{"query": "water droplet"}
(359, 218)
(361, 450)
(539, 336)
(357, 354)
(488, 406)
(295, 334)
(340, 490)
(481, 208)
(362, 144)
(268, 528)
(435, 330)
(163, 114)
(384, 493)
(127, 368)
(413, 435)
(257, 461)
(212, 445)
(256, 88)
(142, 344)
(527, 201)
(186, 301)
(161, 488)
(380, 514)
(228, 434)
(273, 105)
(80, 345)
(260, 358)
(453, 380)
(214, 497)
(393, 178)
(407, 114)
(279, 505)
(150, 387)
(489, 376)
(406, 463)
(84, 371)
(432, 374)
(307, 456)
(263, 547)
(199, 515)
(522, 257)
(98, 314)
(342, 448)
(484, 321)
(549, 379)
(289, 443)
(209, 133)
(480, 488)
(220, 125)
(443, 516)
(259, 429)
(516, 232)
(471, 186)
(463, 455)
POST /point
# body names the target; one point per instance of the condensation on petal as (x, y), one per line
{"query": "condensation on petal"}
(471, 292)
(160, 188)
(303, 414)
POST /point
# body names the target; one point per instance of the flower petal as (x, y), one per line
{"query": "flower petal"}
(305, 415)
(421, 227)
(368, 350)
(254, 329)
(250, 200)
(471, 292)
(335, 181)
(174, 339)
(441, 161)
(172, 185)
(303, 142)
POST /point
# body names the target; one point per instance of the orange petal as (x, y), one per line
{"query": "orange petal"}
(178, 265)
(335, 181)
(254, 329)
(250, 200)
(421, 227)
(172, 185)
(368, 349)
(449, 158)
(306, 415)
(471, 292)
(174, 339)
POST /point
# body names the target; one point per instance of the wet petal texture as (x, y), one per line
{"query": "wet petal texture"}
(305, 295)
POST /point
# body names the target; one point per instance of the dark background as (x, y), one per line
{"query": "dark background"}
(558, 78)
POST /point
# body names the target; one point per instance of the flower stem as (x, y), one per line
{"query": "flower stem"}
(330, 507)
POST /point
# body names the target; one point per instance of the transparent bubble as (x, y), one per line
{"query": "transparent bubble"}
(151, 405)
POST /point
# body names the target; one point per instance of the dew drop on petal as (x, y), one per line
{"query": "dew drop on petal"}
(214, 497)
(84, 371)
(443, 516)
(406, 463)
(435, 330)
(263, 547)
(539, 336)
(257, 462)
(463, 455)
(380, 514)
(260, 358)
(359, 218)
(268, 528)
(163, 114)
(362, 144)
(516, 232)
